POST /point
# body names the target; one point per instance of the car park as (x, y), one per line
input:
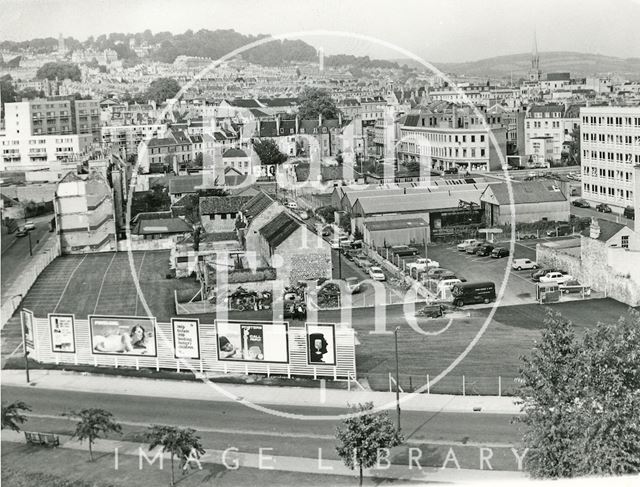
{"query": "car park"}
(555, 277)
(473, 248)
(29, 225)
(473, 292)
(603, 208)
(485, 250)
(376, 274)
(573, 286)
(520, 264)
(499, 252)
(581, 203)
(462, 246)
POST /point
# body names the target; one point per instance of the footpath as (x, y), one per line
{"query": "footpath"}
(232, 459)
(256, 394)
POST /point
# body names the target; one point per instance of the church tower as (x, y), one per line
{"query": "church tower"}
(535, 74)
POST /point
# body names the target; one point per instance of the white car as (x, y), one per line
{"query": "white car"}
(465, 244)
(422, 264)
(292, 205)
(376, 274)
(557, 277)
(519, 264)
(29, 225)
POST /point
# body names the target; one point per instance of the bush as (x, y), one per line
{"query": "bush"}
(246, 275)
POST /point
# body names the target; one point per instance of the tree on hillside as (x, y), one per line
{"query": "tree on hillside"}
(162, 89)
(12, 415)
(179, 442)
(315, 101)
(268, 152)
(93, 423)
(362, 438)
(59, 70)
(580, 400)
(7, 92)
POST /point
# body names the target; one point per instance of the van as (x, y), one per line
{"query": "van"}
(629, 212)
(473, 292)
(559, 231)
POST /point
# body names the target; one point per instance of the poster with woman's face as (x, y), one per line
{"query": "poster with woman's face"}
(321, 344)
(123, 335)
(63, 338)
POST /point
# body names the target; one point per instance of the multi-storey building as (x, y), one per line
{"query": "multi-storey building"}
(449, 136)
(85, 220)
(125, 139)
(53, 117)
(610, 149)
(547, 128)
(27, 153)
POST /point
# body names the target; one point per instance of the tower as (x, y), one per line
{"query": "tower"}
(534, 72)
(61, 47)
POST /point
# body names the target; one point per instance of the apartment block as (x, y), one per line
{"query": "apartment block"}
(610, 148)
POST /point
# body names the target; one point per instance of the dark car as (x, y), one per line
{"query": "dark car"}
(629, 212)
(603, 208)
(485, 250)
(436, 272)
(404, 250)
(473, 249)
(499, 252)
(22, 233)
(580, 203)
(452, 170)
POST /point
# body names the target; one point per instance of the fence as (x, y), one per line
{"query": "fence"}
(28, 276)
(465, 385)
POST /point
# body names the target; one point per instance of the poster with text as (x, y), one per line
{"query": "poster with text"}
(63, 338)
(321, 344)
(27, 328)
(123, 335)
(247, 341)
(186, 341)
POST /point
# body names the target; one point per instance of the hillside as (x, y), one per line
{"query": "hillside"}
(517, 65)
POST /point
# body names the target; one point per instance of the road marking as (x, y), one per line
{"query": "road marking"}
(278, 434)
(69, 282)
(102, 283)
(138, 275)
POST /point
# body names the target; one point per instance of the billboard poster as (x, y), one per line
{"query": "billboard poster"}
(321, 344)
(123, 335)
(186, 340)
(63, 338)
(253, 341)
(27, 328)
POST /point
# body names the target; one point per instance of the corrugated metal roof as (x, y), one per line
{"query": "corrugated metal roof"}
(395, 224)
(438, 200)
(527, 192)
(279, 229)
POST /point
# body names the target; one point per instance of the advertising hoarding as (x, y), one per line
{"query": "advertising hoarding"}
(61, 327)
(186, 338)
(123, 335)
(26, 317)
(321, 344)
(253, 341)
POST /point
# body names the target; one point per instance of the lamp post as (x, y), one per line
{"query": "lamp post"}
(24, 342)
(30, 248)
(395, 334)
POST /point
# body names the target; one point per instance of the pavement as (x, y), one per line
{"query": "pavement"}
(257, 394)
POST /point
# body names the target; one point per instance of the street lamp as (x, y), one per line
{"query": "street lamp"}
(24, 342)
(30, 249)
(395, 334)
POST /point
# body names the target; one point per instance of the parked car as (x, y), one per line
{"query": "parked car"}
(557, 277)
(451, 170)
(485, 250)
(573, 286)
(537, 274)
(292, 205)
(519, 264)
(21, 233)
(431, 311)
(448, 283)
(354, 285)
(603, 208)
(581, 203)
(422, 264)
(559, 231)
(29, 225)
(499, 252)
(462, 246)
(376, 274)
(527, 236)
(629, 212)
(327, 231)
(404, 250)
(473, 292)
(438, 271)
(473, 248)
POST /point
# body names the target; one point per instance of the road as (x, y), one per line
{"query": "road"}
(15, 250)
(223, 424)
(590, 212)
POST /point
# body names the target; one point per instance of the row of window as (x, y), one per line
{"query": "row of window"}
(607, 173)
(617, 121)
(619, 157)
(618, 193)
(611, 139)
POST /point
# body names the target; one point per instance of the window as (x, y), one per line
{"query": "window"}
(624, 241)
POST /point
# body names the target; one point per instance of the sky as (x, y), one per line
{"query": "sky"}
(436, 30)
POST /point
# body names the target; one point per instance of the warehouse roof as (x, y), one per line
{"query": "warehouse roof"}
(407, 203)
(526, 192)
(279, 229)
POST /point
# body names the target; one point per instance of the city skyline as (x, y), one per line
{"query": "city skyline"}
(474, 38)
